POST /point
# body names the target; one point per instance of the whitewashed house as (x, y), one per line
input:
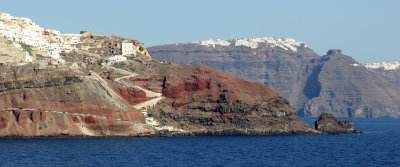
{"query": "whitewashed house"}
(117, 58)
(127, 49)
(28, 58)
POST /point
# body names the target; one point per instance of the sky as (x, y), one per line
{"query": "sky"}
(369, 31)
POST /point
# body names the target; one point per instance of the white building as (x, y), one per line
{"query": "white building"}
(127, 49)
(69, 40)
(23, 30)
(117, 58)
(28, 58)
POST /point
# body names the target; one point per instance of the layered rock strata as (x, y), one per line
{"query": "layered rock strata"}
(313, 84)
(100, 85)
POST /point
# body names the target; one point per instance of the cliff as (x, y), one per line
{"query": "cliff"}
(350, 89)
(98, 85)
(334, 83)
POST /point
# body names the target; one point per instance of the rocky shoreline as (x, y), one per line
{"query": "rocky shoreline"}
(326, 124)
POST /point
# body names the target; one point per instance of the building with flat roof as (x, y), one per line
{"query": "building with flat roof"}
(128, 49)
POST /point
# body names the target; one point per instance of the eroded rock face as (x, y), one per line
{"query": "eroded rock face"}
(92, 95)
(333, 83)
(205, 101)
(132, 96)
(8, 53)
(328, 124)
(3, 120)
(44, 99)
(198, 99)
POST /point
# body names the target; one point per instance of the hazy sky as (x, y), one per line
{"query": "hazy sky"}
(369, 31)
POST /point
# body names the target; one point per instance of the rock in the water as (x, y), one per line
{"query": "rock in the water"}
(328, 124)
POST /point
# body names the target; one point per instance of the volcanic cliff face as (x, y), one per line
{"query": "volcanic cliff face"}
(203, 100)
(350, 89)
(98, 85)
(334, 83)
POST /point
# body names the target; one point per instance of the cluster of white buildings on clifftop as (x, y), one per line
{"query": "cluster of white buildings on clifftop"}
(23, 30)
(284, 43)
(385, 66)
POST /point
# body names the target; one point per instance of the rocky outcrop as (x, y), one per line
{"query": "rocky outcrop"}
(132, 96)
(76, 103)
(313, 84)
(92, 95)
(328, 124)
(8, 52)
(205, 101)
(31, 123)
(109, 45)
(334, 51)
(83, 100)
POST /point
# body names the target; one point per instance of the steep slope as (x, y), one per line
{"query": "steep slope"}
(98, 85)
(9, 53)
(352, 90)
(285, 71)
(202, 100)
(313, 84)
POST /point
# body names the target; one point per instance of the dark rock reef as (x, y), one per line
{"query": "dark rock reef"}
(328, 124)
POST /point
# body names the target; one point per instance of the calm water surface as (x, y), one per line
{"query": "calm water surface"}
(378, 146)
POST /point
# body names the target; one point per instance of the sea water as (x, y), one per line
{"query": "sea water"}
(379, 145)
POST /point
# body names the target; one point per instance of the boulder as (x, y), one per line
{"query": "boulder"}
(328, 124)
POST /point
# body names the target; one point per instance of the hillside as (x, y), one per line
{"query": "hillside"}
(333, 83)
(86, 84)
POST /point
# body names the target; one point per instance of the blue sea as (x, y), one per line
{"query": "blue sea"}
(378, 146)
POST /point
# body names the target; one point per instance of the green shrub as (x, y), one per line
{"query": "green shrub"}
(26, 47)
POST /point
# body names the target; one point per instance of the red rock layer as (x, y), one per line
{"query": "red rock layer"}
(201, 99)
(132, 96)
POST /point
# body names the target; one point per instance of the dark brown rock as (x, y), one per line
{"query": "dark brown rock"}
(328, 124)
(21, 117)
(90, 120)
(35, 116)
(3, 119)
